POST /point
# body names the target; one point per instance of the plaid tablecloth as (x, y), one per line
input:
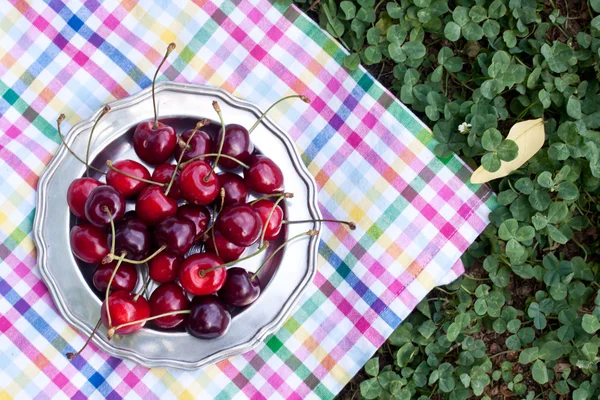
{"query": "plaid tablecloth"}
(371, 157)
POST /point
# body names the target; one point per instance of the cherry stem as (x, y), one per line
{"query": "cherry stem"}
(202, 273)
(264, 231)
(218, 110)
(60, 119)
(170, 48)
(351, 225)
(268, 196)
(185, 147)
(294, 96)
(142, 291)
(145, 260)
(112, 276)
(112, 229)
(105, 111)
(214, 155)
(110, 165)
(111, 331)
(71, 356)
(307, 233)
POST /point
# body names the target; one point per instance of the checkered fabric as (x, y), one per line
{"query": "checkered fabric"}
(371, 157)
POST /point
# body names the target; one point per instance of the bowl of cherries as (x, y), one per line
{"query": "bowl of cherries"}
(177, 227)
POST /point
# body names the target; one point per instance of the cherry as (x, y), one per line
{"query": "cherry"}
(196, 185)
(123, 308)
(209, 318)
(240, 288)
(118, 178)
(199, 215)
(177, 234)
(190, 274)
(240, 224)
(200, 143)
(167, 298)
(164, 267)
(152, 206)
(263, 176)
(153, 141)
(236, 144)
(266, 208)
(89, 243)
(78, 192)
(132, 236)
(236, 190)
(163, 174)
(125, 279)
(223, 247)
(103, 202)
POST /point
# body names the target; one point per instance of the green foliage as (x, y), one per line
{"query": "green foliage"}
(527, 325)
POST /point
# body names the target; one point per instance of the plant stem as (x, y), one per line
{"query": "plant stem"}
(220, 114)
(111, 331)
(213, 155)
(199, 125)
(294, 96)
(60, 119)
(110, 165)
(268, 196)
(264, 230)
(71, 356)
(351, 225)
(112, 230)
(202, 273)
(145, 260)
(105, 111)
(170, 48)
(112, 276)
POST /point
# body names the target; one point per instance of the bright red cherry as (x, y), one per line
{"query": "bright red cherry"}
(223, 247)
(152, 206)
(200, 144)
(88, 243)
(176, 233)
(237, 144)
(190, 274)
(124, 309)
(236, 190)
(263, 176)
(129, 187)
(209, 318)
(240, 224)
(167, 298)
(164, 267)
(199, 215)
(193, 186)
(154, 145)
(104, 197)
(163, 174)
(125, 279)
(263, 208)
(78, 192)
(133, 236)
(240, 288)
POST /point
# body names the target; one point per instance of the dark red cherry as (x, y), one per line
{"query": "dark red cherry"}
(240, 289)
(263, 208)
(152, 206)
(176, 233)
(167, 298)
(209, 318)
(200, 144)
(237, 144)
(199, 215)
(163, 174)
(125, 279)
(193, 186)
(240, 224)
(236, 190)
(88, 243)
(133, 236)
(101, 197)
(124, 309)
(164, 267)
(154, 145)
(129, 187)
(223, 247)
(192, 282)
(78, 192)
(263, 176)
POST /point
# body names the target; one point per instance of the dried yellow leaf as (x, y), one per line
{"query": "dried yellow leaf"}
(529, 136)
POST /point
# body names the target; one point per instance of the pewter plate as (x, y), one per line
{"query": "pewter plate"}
(283, 280)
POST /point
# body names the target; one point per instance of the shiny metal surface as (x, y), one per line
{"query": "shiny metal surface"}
(69, 282)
